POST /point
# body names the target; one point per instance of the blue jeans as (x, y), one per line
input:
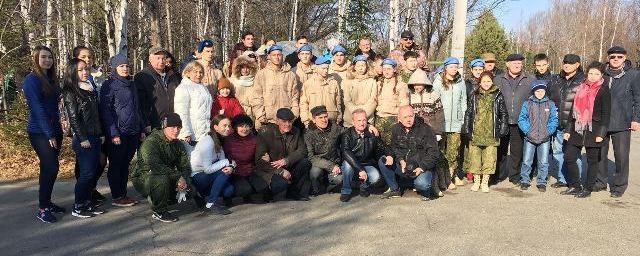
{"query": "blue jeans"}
(422, 182)
(557, 146)
(212, 185)
(49, 165)
(542, 152)
(347, 177)
(87, 161)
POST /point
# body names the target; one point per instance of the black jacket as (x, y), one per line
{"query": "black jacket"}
(360, 151)
(472, 84)
(156, 95)
(601, 118)
(372, 54)
(418, 146)
(625, 89)
(500, 115)
(562, 91)
(514, 96)
(82, 112)
(323, 146)
(289, 146)
(547, 76)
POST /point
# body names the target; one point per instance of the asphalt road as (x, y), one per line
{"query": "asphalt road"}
(506, 221)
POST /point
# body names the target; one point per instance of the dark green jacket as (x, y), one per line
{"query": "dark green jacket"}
(323, 146)
(159, 156)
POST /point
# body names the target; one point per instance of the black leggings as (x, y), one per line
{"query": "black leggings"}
(571, 153)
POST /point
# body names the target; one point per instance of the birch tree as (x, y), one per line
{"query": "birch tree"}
(25, 7)
(394, 22)
(48, 22)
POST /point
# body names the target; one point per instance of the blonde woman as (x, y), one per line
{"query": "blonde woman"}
(193, 103)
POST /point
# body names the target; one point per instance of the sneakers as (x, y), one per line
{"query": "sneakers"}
(390, 194)
(166, 217)
(524, 186)
(57, 209)
(365, 193)
(97, 197)
(95, 210)
(45, 215)
(81, 212)
(219, 210)
(584, 194)
(458, 182)
(572, 191)
(124, 202)
(541, 188)
(345, 198)
(616, 194)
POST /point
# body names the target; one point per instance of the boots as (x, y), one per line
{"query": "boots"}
(476, 182)
(485, 183)
(458, 181)
(454, 180)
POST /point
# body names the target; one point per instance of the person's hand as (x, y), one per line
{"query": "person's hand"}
(403, 165)
(147, 129)
(635, 126)
(418, 171)
(438, 137)
(362, 175)
(278, 164)
(187, 139)
(599, 139)
(85, 144)
(336, 170)
(265, 157)
(116, 140)
(286, 175)
(373, 130)
(221, 112)
(388, 160)
(101, 140)
(227, 170)
(143, 136)
(53, 143)
(182, 184)
(566, 136)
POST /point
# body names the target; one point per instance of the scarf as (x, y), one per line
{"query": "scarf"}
(245, 81)
(583, 104)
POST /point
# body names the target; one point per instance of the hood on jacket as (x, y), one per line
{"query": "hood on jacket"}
(244, 61)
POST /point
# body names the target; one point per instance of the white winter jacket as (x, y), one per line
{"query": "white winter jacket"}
(205, 159)
(193, 103)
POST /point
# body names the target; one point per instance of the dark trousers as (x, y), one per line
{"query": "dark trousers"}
(571, 153)
(119, 159)
(159, 189)
(87, 162)
(298, 186)
(49, 165)
(211, 186)
(511, 145)
(102, 162)
(621, 146)
(245, 186)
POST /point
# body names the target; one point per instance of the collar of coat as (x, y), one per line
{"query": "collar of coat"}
(337, 68)
(283, 68)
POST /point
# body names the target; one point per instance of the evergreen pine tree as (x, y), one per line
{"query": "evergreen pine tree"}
(487, 36)
(359, 18)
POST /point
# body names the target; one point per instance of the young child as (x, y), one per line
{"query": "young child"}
(538, 120)
(410, 65)
(486, 120)
(226, 103)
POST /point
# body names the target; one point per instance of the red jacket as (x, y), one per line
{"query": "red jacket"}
(230, 104)
(242, 150)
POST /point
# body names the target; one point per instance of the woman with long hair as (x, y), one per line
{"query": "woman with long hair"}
(392, 94)
(81, 106)
(211, 169)
(45, 132)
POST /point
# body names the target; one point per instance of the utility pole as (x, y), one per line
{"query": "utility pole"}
(459, 26)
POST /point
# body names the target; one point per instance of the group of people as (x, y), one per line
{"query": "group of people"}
(265, 129)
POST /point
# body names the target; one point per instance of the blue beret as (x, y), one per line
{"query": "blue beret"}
(205, 43)
(476, 63)
(360, 57)
(337, 49)
(305, 48)
(274, 47)
(451, 60)
(322, 60)
(439, 69)
(390, 61)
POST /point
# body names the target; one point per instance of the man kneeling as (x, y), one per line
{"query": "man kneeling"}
(163, 168)
(415, 149)
(360, 150)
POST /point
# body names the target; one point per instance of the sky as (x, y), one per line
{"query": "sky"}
(515, 13)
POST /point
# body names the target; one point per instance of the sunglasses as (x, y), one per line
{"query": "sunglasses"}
(616, 57)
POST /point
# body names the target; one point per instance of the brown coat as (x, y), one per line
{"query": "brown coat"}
(303, 73)
(274, 88)
(243, 86)
(321, 91)
(210, 78)
(339, 71)
(359, 92)
(289, 146)
(392, 94)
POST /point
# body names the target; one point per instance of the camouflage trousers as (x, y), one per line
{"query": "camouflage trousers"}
(452, 149)
(482, 159)
(159, 189)
(384, 125)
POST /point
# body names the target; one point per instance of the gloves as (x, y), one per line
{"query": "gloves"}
(181, 196)
(438, 137)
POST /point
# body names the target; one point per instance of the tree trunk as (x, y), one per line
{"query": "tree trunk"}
(62, 41)
(120, 21)
(242, 18)
(140, 35)
(154, 19)
(342, 16)
(25, 7)
(225, 36)
(48, 23)
(604, 17)
(85, 25)
(74, 21)
(169, 30)
(107, 23)
(394, 19)
(294, 20)
(458, 37)
(615, 25)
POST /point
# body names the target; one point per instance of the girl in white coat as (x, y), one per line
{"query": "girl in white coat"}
(193, 103)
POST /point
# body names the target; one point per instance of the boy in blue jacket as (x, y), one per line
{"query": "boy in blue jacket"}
(538, 120)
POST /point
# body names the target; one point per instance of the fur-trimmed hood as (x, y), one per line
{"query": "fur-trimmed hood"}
(244, 60)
